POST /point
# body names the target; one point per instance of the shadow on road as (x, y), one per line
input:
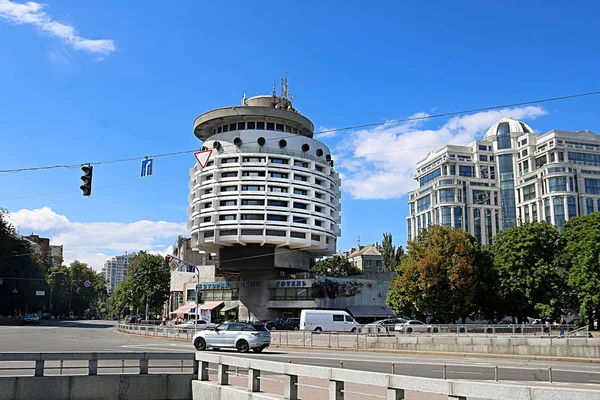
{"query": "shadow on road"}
(62, 324)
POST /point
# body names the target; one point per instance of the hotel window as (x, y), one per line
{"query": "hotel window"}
(229, 188)
(301, 164)
(253, 159)
(260, 125)
(227, 203)
(301, 206)
(229, 160)
(300, 178)
(277, 203)
(252, 217)
(232, 174)
(278, 175)
(252, 188)
(299, 220)
(301, 192)
(278, 161)
(253, 173)
(275, 217)
(230, 217)
(278, 189)
(253, 202)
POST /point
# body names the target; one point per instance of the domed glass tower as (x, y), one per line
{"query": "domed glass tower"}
(268, 200)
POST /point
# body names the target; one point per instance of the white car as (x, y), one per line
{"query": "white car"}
(191, 324)
(415, 326)
(241, 336)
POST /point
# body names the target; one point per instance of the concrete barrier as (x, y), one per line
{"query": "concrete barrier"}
(65, 384)
(99, 387)
(395, 386)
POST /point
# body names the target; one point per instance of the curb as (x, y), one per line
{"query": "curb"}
(412, 352)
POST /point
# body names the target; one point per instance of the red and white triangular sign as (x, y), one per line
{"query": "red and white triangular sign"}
(202, 157)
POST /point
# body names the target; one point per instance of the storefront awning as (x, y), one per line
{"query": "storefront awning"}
(371, 311)
(184, 309)
(209, 305)
(229, 307)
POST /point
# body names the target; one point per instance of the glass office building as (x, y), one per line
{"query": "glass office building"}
(511, 176)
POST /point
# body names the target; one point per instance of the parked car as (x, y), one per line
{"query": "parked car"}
(390, 323)
(290, 324)
(45, 316)
(31, 319)
(415, 326)
(191, 324)
(327, 320)
(241, 336)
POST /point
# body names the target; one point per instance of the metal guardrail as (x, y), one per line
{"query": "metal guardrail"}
(394, 385)
(116, 361)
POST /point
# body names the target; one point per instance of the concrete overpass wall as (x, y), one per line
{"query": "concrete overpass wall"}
(98, 387)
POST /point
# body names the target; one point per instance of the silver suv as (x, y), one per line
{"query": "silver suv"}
(241, 336)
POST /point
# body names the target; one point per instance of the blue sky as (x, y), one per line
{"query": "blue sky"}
(90, 81)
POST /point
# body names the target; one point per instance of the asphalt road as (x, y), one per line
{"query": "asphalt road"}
(65, 336)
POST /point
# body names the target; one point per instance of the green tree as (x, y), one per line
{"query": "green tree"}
(530, 281)
(121, 296)
(22, 273)
(441, 275)
(150, 277)
(398, 301)
(391, 257)
(69, 293)
(581, 237)
(336, 266)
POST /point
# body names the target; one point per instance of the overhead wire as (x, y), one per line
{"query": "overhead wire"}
(326, 131)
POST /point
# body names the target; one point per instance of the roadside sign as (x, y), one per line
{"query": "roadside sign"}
(147, 167)
(87, 284)
(202, 157)
(40, 292)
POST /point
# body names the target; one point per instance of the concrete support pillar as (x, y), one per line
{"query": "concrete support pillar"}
(144, 367)
(290, 387)
(254, 380)
(223, 374)
(395, 394)
(39, 367)
(336, 390)
(203, 372)
(93, 367)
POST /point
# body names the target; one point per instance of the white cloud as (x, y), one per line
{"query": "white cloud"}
(379, 163)
(95, 242)
(324, 132)
(31, 13)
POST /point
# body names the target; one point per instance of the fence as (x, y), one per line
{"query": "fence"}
(265, 378)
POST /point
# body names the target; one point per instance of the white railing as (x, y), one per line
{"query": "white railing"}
(393, 386)
(86, 363)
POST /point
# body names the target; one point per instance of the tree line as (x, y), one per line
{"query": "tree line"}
(530, 270)
(147, 283)
(27, 286)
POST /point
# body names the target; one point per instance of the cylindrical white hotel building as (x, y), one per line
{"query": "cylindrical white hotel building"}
(269, 198)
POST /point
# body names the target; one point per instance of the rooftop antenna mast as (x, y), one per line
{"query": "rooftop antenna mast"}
(358, 242)
(274, 90)
(284, 87)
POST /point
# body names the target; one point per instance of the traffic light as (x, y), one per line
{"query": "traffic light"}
(199, 297)
(168, 259)
(86, 188)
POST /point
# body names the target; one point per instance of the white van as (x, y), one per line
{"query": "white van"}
(327, 320)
